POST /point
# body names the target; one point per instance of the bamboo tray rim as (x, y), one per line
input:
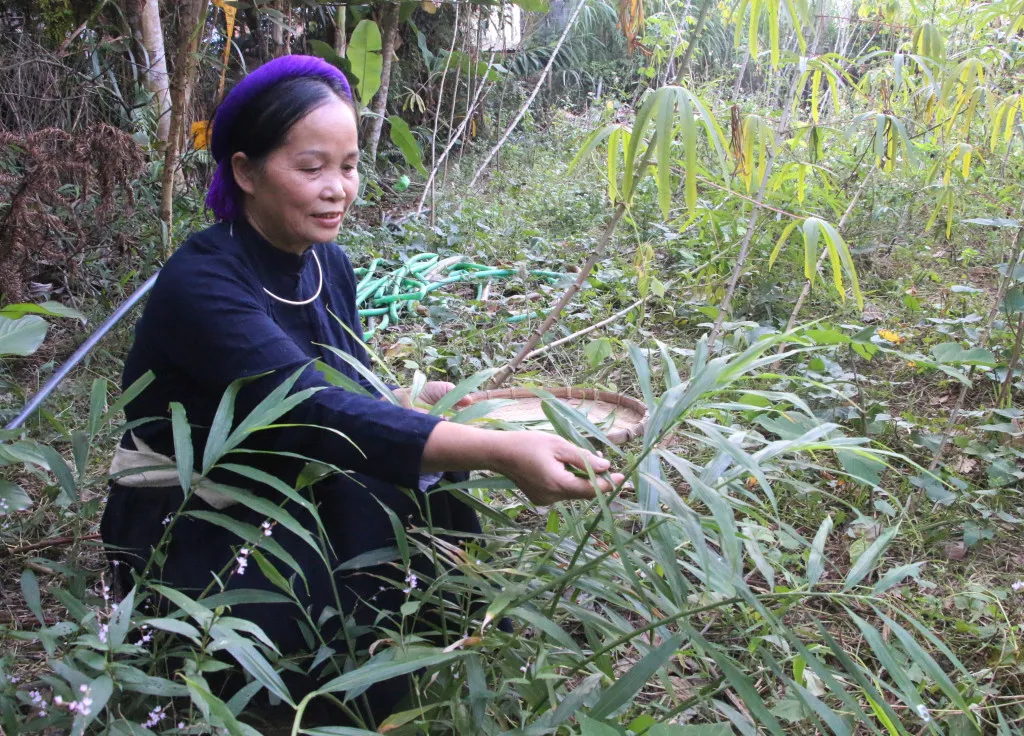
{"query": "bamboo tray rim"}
(618, 434)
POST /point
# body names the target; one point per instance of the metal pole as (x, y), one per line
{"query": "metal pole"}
(83, 350)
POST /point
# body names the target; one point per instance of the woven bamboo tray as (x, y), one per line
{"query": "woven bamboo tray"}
(621, 417)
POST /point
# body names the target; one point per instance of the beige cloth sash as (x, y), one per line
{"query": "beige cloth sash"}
(145, 460)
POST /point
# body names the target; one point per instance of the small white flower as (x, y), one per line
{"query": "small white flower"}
(181, 725)
(267, 528)
(412, 581)
(155, 716)
(242, 560)
(1018, 586)
(922, 711)
(58, 700)
(83, 688)
(167, 520)
(104, 630)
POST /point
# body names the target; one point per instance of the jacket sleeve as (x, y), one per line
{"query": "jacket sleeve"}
(216, 331)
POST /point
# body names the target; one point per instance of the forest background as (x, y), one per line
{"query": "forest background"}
(791, 228)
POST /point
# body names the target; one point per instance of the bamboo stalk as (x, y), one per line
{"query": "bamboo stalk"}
(513, 365)
(805, 292)
(529, 101)
(585, 331)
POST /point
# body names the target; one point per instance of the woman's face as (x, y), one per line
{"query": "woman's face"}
(300, 192)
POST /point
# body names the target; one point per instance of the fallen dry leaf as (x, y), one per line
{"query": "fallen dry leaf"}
(955, 550)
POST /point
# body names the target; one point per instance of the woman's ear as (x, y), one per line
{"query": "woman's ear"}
(244, 171)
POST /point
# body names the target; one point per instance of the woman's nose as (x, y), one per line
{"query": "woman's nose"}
(334, 190)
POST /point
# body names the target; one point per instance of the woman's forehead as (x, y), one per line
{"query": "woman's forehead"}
(329, 128)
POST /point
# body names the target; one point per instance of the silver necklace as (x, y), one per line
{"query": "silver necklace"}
(304, 301)
(312, 299)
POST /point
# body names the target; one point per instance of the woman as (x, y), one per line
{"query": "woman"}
(255, 297)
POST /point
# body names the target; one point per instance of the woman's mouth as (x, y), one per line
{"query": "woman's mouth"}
(329, 219)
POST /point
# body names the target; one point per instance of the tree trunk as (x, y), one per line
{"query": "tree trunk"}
(155, 74)
(282, 38)
(190, 15)
(389, 35)
(255, 23)
(340, 44)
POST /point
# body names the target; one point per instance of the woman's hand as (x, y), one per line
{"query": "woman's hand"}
(536, 462)
(433, 391)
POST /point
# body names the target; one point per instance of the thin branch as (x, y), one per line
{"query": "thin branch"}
(585, 331)
(598, 253)
(480, 93)
(529, 101)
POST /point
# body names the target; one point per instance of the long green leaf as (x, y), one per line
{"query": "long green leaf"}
(629, 684)
(380, 669)
(816, 559)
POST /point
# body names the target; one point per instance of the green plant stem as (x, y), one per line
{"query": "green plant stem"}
(691, 44)
(598, 253)
(808, 282)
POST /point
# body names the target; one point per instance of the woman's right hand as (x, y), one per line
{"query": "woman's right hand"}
(536, 462)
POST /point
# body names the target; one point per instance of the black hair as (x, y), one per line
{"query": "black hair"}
(261, 125)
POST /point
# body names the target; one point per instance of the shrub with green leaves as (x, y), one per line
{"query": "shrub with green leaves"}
(684, 603)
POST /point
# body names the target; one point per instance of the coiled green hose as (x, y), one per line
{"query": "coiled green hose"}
(388, 294)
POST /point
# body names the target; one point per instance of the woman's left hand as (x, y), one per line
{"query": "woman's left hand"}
(433, 391)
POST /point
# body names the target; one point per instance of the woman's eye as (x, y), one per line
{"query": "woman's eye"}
(312, 170)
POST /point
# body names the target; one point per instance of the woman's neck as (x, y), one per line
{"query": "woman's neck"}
(295, 249)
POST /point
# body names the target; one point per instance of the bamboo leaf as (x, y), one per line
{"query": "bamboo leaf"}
(628, 685)
(928, 665)
(816, 559)
(781, 242)
(591, 143)
(389, 664)
(812, 232)
(815, 95)
(663, 129)
(869, 558)
(182, 434)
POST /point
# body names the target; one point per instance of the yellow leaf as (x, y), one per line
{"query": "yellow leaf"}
(201, 135)
(890, 336)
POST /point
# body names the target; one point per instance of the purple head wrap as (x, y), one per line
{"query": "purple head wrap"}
(224, 196)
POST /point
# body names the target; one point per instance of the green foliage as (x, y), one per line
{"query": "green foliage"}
(402, 137)
(365, 60)
(22, 330)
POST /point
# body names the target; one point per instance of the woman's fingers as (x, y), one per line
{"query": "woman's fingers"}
(580, 458)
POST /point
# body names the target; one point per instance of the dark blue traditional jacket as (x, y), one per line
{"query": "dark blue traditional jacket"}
(209, 322)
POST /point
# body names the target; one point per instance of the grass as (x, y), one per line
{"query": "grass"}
(581, 580)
